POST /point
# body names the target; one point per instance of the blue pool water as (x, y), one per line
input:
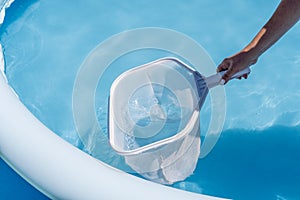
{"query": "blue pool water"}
(258, 154)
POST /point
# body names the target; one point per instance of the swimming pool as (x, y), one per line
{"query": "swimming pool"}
(44, 49)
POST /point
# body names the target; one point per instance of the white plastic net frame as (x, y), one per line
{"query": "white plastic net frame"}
(120, 123)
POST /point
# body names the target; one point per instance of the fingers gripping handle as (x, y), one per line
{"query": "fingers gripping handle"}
(216, 79)
(239, 74)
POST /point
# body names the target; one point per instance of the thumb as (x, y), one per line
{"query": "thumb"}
(227, 76)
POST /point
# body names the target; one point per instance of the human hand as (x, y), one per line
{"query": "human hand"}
(234, 64)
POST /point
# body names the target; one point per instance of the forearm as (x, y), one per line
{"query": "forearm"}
(285, 16)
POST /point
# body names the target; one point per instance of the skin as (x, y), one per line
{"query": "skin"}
(285, 16)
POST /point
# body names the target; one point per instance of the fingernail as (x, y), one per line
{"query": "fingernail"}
(222, 82)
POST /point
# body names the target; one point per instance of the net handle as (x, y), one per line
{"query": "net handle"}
(216, 79)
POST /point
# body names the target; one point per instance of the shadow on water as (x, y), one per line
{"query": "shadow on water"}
(252, 165)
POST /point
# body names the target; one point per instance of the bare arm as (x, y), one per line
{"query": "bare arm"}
(286, 15)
